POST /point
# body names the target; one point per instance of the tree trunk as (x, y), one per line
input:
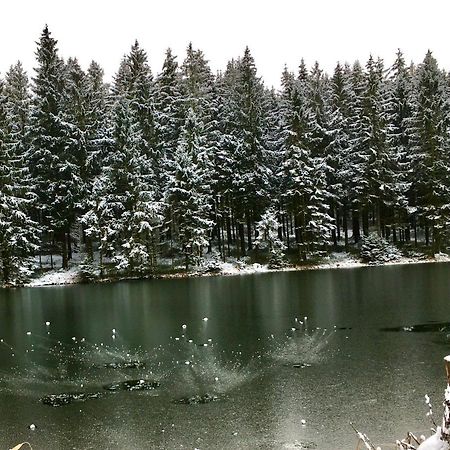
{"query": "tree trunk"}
(415, 230)
(355, 226)
(338, 224)
(242, 238)
(229, 235)
(365, 221)
(219, 237)
(249, 231)
(378, 217)
(334, 231)
(69, 246)
(345, 225)
(436, 239)
(65, 262)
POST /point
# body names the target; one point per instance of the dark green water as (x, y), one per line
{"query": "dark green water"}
(357, 372)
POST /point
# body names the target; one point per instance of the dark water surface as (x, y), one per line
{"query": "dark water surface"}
(354, 361)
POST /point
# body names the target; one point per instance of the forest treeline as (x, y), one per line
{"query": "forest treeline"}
(188, 162)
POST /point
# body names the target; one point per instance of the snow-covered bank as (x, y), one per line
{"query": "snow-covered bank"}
(237, 267)
(57, 277)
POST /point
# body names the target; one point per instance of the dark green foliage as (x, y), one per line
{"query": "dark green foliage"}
(376, 250)
(192, 163)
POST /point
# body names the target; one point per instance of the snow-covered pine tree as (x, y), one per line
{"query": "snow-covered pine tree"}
(320, 224)
(431, 179)
(140, 90)
(53, 167)
(98, 142)
(19, 234)
(296, 157)
(399, 111)
(379, 171)
(169, 107)
(17, 107)
(273, 137)
(197, 81)
(247, 122)
(98, 225)
(338, 112)
(186, 192)
(318, 93)
(223, 157)
(359, 153)
(75, 123)
(304, 175)
(201, 98)
(274, 140)
(268, 231)
(86, 118)
(133, 207)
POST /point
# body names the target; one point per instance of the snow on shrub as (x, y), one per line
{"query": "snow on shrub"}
(376, 250)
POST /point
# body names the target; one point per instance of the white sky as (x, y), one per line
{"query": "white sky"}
(278, 32)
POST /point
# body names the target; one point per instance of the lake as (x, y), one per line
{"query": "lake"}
(276, 382)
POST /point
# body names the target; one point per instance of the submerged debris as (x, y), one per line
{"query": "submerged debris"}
(422, 327)
(301, 445)
(299, 365)
(197, 399)
(132, 385)
(69, 397)
(125, 365)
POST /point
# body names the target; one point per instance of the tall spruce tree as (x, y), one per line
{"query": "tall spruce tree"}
(337, 150)
(19, 234)
(247, 123)
(399, 110)
(53, 166)
(169, 107)
(186, 192)
(431, 181)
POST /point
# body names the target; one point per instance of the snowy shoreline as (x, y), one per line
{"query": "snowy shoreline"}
(334, 261)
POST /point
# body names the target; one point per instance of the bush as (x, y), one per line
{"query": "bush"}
(276, 260)
(89, 271)
(376, 250)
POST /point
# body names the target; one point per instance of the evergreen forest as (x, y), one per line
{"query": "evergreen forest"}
(188, 164)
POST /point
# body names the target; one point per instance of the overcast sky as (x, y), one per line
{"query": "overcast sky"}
(278, 32)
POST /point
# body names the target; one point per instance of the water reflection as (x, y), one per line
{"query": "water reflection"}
(268, 376)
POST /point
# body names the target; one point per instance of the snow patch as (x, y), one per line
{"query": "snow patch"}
(441, 257)
(71, 276)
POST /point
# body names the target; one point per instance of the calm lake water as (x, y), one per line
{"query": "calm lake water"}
(352, 369)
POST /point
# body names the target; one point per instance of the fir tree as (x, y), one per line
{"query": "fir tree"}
(169, 107)
(187, 194)
(53, 167)
(399, 109)
(337, 150)
(19, 234)
(431, 181)
(247, 123)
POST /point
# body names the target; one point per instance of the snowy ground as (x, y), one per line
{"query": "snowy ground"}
(234, 266)
(71, 276)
